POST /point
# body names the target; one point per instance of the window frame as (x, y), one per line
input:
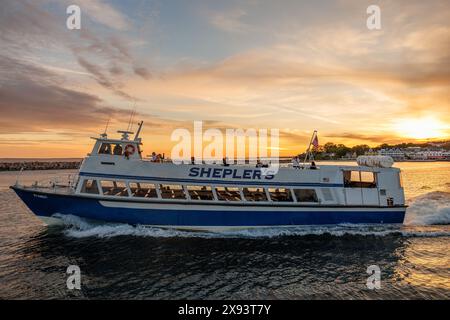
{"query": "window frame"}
(101, 146)
(161, 189)
(115, 145)
(360, 183)
(155, 186)
(239, 190)
(368, 184)
(115, 187)
(307, 202)
(83, 186)
(289, 191)
(260, 192)
(211, 189)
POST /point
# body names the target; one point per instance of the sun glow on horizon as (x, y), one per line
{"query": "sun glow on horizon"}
(420, 128)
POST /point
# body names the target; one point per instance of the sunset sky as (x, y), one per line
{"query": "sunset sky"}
(294, 65)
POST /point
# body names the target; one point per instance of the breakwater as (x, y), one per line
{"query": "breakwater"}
(38, 165)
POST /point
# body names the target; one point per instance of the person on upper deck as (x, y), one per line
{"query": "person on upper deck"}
(225, 162)
(295, 162)
(117, 150)
(259, 163)
(313, 166)
(105, 148)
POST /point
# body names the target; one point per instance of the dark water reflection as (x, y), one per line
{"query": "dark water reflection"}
(295, 267)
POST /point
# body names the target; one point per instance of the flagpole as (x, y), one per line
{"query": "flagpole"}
(309, 146)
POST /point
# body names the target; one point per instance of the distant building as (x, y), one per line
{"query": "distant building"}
(350, 156)
(394, 153)
(409, 153)
(435, 144)
(413, 149)
(432, 155)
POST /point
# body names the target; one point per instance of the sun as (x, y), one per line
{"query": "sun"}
(420, 128)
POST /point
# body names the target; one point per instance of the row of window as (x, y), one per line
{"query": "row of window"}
(149, 190)
(108, 148)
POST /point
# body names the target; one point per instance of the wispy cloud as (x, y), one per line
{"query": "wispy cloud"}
(293, 65)
(26, 24)
(46, 104)
(229, 21)
(102, 78)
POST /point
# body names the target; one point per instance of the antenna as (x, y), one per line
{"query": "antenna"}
(136, 137)
(132, 118)
(130, 123)
(104, 135)
(107, 124)
(125, 134)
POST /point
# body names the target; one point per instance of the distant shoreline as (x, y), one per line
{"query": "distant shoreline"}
(17, 164)
(38, 164)
(6, 160)
(394, 160)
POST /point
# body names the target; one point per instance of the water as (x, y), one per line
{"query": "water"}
(124, 262)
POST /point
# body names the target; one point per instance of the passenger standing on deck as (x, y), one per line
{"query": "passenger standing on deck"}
(225, 162)
(117, 150)
(295, 162)
(259, 163)
(105, 148)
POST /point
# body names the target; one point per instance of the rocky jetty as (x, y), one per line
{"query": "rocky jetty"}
(39, 165)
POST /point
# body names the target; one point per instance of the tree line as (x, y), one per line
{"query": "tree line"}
(327, 150)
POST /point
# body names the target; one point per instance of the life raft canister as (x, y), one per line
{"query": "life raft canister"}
(129, 149)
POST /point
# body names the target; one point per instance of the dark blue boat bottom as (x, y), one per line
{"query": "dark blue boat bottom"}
(49, 205)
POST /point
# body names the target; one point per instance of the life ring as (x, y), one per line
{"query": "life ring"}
(129, 149)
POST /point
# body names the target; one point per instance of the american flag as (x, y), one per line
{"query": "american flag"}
(315, 142)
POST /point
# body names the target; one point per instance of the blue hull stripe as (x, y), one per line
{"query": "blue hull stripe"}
(219, 182)
(92, 209)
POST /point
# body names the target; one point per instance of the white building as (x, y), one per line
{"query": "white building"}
(396, 154)
(432, 155)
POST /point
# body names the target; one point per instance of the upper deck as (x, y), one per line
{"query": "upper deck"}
(118, 174)
(115, 168)
(118, 166)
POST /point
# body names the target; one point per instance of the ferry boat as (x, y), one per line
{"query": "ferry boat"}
(116, 184)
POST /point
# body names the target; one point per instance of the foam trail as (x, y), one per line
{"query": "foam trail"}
(429, 209)
(80, 228)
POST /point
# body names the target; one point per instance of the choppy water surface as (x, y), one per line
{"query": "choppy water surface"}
(120, 261)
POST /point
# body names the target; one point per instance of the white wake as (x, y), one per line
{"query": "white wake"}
(429, 209)
(80, 228)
